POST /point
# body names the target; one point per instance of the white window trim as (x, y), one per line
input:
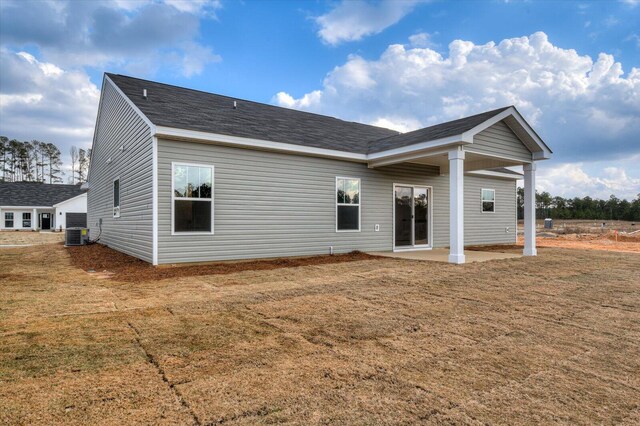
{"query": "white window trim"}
(174, 198)
(116, 209)
(23, 220)
(483, 201)
(419, 247)
(335, 197)
(13, 220)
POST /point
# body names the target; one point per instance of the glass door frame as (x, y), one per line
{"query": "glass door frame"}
(413, 187)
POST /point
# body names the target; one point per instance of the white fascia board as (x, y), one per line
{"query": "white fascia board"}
(470, 150)
(438, 143)
(385, 161)
(171, 133)
(176, 133)
(543, 154)
(84, 194)
(95, 128)
(129, 102)
(469, 134)
(495, 174)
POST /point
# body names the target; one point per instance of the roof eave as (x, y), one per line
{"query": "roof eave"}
(261, 144)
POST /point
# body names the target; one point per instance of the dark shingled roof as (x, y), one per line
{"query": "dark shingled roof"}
(182, 108)
(29, 194)
(450, 128)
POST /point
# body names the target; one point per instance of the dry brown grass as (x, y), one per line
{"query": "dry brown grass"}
(552, 339)
(30, 237)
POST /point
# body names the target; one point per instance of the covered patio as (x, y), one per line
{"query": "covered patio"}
(442, 255)
(498, 140)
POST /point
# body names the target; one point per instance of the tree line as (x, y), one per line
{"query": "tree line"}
(36, 161)
(548, 206)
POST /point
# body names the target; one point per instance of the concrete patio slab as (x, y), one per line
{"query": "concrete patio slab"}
(442, 255)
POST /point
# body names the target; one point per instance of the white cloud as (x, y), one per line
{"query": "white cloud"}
(39, 100)
(126, 34)
(287, 101)
(195, 57)
(611, 21)
(352, 20)
(634, 37)
(199, 7)
(400, 124)
(571, 180)
(423, 40)
(632, 3)
(586, 109)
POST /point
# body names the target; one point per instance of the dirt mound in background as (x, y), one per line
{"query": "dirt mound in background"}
(635, 238)
(122, 267)
(608, 242)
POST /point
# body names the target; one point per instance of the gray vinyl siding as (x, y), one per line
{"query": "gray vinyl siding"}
(269, 204)
(119, 125)
(489, 228)
(499, 140)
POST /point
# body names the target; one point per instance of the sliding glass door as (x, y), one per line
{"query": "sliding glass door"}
(411, 211)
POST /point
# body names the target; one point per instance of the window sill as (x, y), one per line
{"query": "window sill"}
(191, 233)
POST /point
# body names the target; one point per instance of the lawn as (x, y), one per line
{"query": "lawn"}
(551, 339)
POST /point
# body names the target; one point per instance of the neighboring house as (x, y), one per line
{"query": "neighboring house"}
(179, 175)
(34, 205)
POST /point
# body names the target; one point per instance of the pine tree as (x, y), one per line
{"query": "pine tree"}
(4, 151)
(83, 165)
(54, 163)
(73, 152)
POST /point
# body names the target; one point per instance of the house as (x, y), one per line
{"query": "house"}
(180, 175)
(35, 205)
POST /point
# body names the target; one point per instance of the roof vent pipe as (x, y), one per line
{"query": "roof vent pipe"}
(144, 93)
(235, 105)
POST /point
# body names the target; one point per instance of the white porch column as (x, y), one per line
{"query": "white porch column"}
(456, 206)
(530, 210)
(34, 219)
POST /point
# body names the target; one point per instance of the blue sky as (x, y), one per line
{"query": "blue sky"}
(571, 68)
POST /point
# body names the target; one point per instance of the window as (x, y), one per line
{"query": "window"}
(192, 198)
(347, 204)
(488, 200)
(26, 220)
(116, 198)
(8, 220)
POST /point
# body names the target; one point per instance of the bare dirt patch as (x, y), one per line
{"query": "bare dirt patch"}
(551, 339)
(607, 242)
(119, 266)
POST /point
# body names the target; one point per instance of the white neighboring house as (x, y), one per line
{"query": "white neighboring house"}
(72, 211)
(26, 206)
